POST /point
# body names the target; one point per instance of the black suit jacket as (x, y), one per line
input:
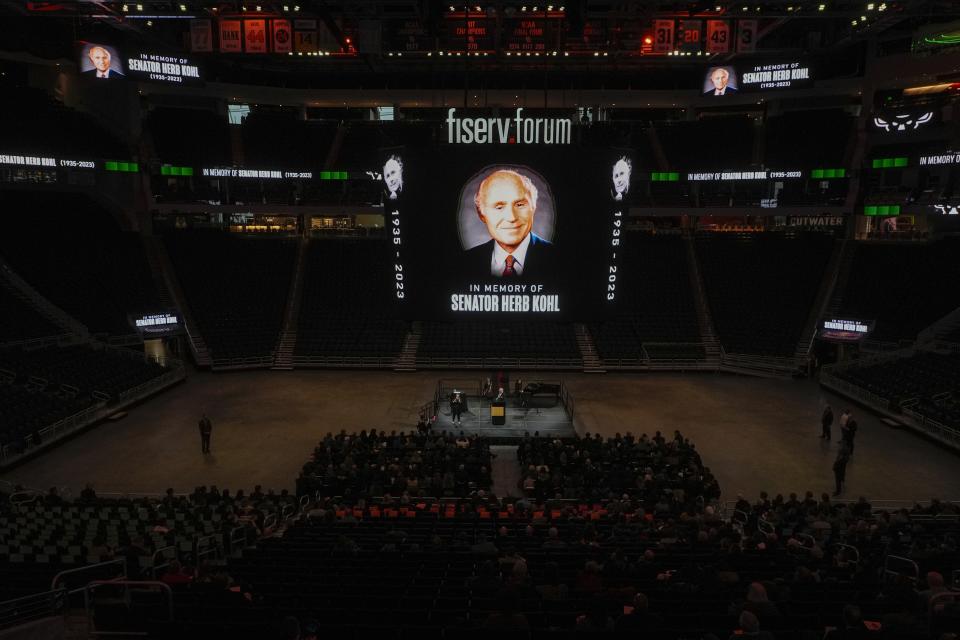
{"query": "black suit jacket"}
(541, 261)
(729, 90)
(111, 74)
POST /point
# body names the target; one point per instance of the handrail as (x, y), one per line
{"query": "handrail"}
(198, 549)
(908, 564)
(153, 559)
(856, 552)
(18, 611)
(233, 539)
(270, 521)
(28, 496)
(69, 572)
(91, 627)
(284, 513)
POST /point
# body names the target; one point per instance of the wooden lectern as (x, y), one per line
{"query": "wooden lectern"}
(498, 412)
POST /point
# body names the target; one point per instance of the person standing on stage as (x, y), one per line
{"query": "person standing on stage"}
(206, 428)
(826, 421)
(456, 407)
(840, 468)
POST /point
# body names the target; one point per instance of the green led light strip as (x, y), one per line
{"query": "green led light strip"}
(665, 176)
(170, 170)
(881, 210)
(828, 173)
(889, 163)
(122, 167)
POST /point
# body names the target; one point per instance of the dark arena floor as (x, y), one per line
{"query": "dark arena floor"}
(755, 434)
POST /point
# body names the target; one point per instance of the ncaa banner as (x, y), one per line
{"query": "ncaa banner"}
(201, 36)
(663, 36)
(255, 35)
(230, 36)
(746, 36)
(718, 36)
(282, 36)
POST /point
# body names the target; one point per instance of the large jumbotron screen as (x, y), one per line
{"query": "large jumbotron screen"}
(506, 217)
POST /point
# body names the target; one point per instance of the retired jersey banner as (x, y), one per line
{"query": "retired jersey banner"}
(718, 36)
(305, 41)
(689, 35)
(282, 36)
(255, 35)
(201, 36)
(663, 36)
(230, 41)
(746, 36)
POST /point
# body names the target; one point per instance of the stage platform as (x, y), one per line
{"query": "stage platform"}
(550, 420)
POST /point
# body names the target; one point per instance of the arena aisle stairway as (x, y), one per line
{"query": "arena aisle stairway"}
(505, 471)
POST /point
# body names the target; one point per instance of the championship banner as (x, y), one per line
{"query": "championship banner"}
(230, 36)
(663, 36)
(305, 41)
(255, 35)
(689, 35)
(282, 36)
(746, 36)
(718, 36)
(201, 36)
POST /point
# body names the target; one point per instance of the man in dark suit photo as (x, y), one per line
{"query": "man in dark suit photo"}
(100, 59)
(506, 203)
(720, 78)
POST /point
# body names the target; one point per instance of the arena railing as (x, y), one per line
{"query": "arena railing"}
(832, 381)
(246, 362)
(37, 606)
(60, 580)
(776, 365)
(940, 432)
(436, 362)
(46, 341)
(99, 410)
(345, 362)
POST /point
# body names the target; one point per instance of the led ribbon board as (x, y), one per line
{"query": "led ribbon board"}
(844, 330)
(157, 324)
(155, 67)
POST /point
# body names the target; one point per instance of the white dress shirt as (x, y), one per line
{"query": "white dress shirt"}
(498, 261)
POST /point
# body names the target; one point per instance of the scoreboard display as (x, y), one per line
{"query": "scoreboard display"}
(507, 217)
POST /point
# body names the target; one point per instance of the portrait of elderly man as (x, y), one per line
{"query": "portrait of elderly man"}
(393, 176)
(720, 77)
(621, 177)
(506, 203)
(101, 59)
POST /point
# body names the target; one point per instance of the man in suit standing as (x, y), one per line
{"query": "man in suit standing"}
(506, 203)
(100, 59)
(206, 428)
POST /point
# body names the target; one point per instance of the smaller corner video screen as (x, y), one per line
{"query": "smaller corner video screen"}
(721, 81)
(100, 61)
